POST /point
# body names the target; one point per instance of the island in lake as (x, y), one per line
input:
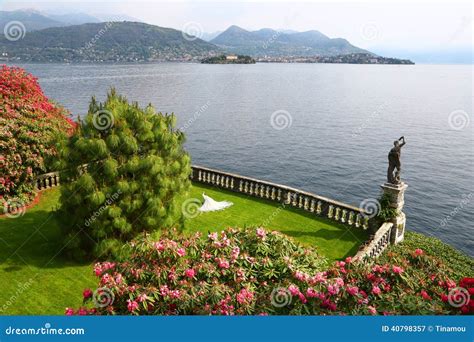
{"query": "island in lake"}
(229, 59)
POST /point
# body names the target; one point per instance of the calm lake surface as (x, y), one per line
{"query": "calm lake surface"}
(343, 118)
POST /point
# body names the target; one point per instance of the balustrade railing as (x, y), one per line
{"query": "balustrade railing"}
(376, 244)
(47, 180)
(321, 206)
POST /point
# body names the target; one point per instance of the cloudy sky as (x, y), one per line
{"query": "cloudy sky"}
(404, 27)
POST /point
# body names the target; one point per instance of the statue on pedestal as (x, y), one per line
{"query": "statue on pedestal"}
(394, 164)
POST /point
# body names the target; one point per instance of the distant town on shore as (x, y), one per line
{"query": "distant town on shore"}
(39, 39)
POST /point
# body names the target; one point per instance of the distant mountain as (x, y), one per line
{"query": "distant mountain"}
(106, 42)
(31, 19)
(269, 42)
(74, 18)
(116, 17)
(34, 20)
(208, 36)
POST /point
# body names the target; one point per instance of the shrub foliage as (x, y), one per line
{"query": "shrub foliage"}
(29, 124)
(126, 169)
(254, 272)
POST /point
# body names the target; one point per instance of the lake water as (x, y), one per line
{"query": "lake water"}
(339, 122)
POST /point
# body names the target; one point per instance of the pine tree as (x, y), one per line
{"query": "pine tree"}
(126, 170)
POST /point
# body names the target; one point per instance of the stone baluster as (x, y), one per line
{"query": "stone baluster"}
(343, 215)
(330, 211)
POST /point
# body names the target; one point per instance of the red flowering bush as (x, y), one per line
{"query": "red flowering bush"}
(255, 272)
(463, 296)
(28, 124)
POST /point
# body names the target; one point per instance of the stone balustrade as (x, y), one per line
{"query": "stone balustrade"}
(47, 180)
(321, 206)
(377, 243)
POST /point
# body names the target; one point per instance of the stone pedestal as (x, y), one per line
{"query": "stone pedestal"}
(396, 194)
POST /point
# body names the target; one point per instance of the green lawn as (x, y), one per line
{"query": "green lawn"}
(333, 240)
(36, 279)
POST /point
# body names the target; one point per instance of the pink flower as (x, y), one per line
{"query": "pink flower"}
(261, 233)
(82, 312)
(301, 276)
(181, 252)
(222, 263)
(372, 310)
(235, 252)
(190, 273)
(175, 294)
(311, 293)
(418, 252)
(164, 290)
(302, 298)
(132, 305)
(425, 295)
(353, 290)
(348, 260)
(87, 293)
(141, 298)
(213, 236)
(69, 312)
(397, 269)
(159, 246)
(333, 289)
(294, 290)
(244, 296)
(376, 290)
(320, 277)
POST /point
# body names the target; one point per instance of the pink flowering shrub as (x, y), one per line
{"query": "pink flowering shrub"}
(253, 272)
(28, 123)
(233, 272)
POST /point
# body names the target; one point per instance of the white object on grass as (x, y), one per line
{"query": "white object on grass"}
(212, 205)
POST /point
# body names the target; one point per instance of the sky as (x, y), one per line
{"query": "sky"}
(406, 27)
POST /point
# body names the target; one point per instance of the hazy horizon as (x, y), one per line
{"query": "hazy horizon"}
(424, 32)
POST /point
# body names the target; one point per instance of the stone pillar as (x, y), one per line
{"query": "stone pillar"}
(396, 194)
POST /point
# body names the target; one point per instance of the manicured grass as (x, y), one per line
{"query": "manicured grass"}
(333, 240)
(37, 279)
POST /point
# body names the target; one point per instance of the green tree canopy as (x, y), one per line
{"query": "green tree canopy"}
(126, 170)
